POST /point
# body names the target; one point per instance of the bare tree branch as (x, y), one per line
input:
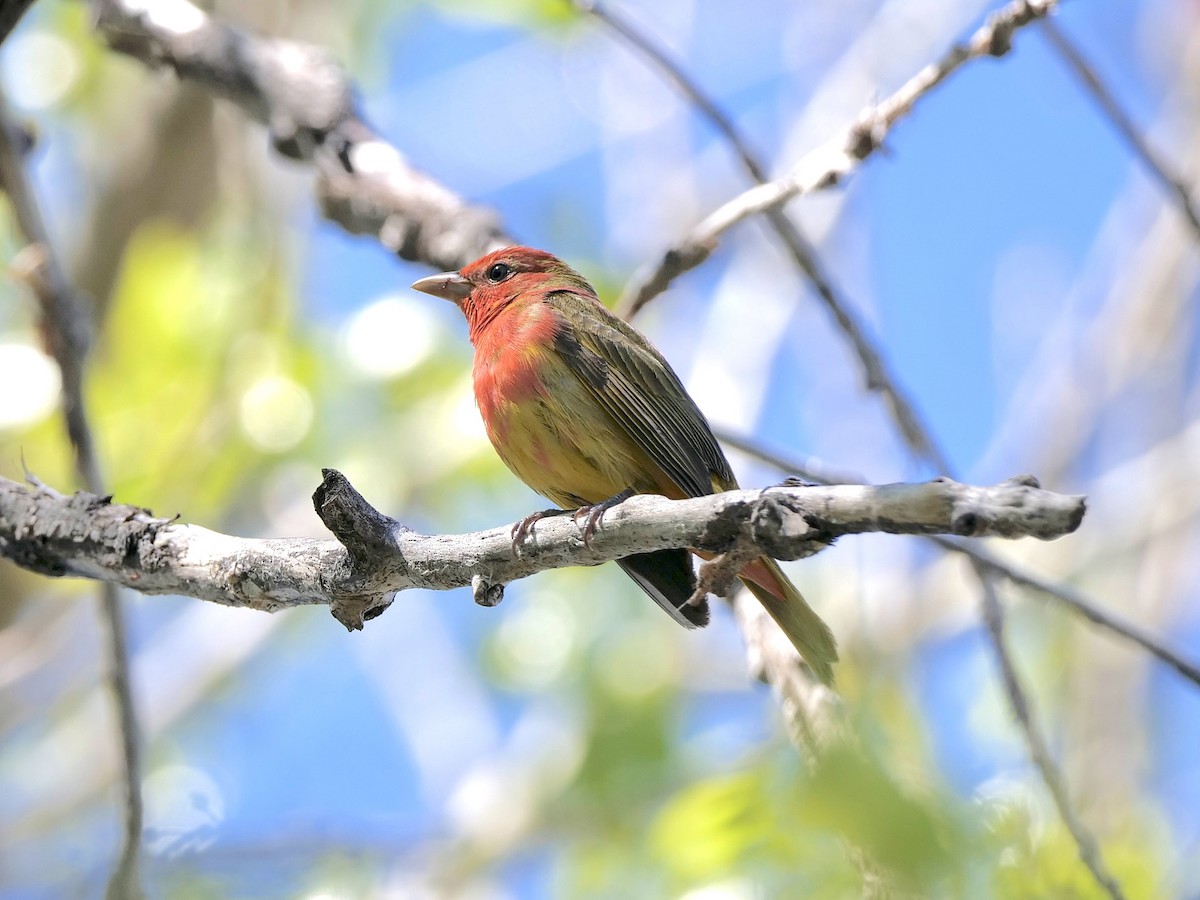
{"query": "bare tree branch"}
(1039, 752)
(1179, 190)
(829, 164)
(306, 100)
(877, 378)
(374, 556)
(1077, 601)
(65, 329)
(1073, 598)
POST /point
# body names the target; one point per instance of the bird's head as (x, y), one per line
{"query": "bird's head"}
(485, 287)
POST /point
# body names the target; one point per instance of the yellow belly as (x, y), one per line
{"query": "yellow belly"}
(550, 431)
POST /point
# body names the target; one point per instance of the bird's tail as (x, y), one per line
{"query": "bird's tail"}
(804, 628)
(667, 576)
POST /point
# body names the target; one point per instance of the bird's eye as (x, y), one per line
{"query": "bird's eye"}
(497, 272)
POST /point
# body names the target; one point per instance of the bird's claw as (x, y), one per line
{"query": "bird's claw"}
(593, 515)
(521, 529)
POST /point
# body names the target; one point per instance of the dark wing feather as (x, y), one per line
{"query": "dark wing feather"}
(637, 387)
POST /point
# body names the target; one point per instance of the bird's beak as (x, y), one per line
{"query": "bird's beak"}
(449, 286)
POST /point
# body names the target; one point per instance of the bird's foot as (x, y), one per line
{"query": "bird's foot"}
(521, 530)
(594, 514)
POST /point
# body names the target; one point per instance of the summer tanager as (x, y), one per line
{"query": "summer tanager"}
(586, 412)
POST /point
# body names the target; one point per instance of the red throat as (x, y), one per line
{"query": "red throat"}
(482, 308)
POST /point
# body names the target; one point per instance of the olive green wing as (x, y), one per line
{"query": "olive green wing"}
(637, 387)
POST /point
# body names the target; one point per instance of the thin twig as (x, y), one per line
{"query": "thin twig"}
(829, 164)
(125, 882)
(1073, 598)
(1121, 121)
(812, 713)
(66, 332)
(1079, 602)
(1019, 703)
(876, 376)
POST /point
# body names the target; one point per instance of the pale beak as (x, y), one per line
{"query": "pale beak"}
(449, 286)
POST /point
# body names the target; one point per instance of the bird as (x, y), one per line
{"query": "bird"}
(584, 410)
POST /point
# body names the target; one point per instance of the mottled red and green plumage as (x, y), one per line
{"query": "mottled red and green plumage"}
(582, 408)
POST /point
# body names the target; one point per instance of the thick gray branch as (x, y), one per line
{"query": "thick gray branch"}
(374, 556)
(306, 100)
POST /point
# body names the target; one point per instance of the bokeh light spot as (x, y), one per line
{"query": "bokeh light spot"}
(390, 337)
(33, 383)
(276, 413)
(533, 645)
(40, 69)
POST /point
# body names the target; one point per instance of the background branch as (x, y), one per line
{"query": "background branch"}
(1079, 602)
(829, 164)
(306, 100)
(1178, 189)
(1039, 752)
(876, 375)
(65, 329)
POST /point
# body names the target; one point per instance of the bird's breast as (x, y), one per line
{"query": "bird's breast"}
(545, 424)
(512, 366)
